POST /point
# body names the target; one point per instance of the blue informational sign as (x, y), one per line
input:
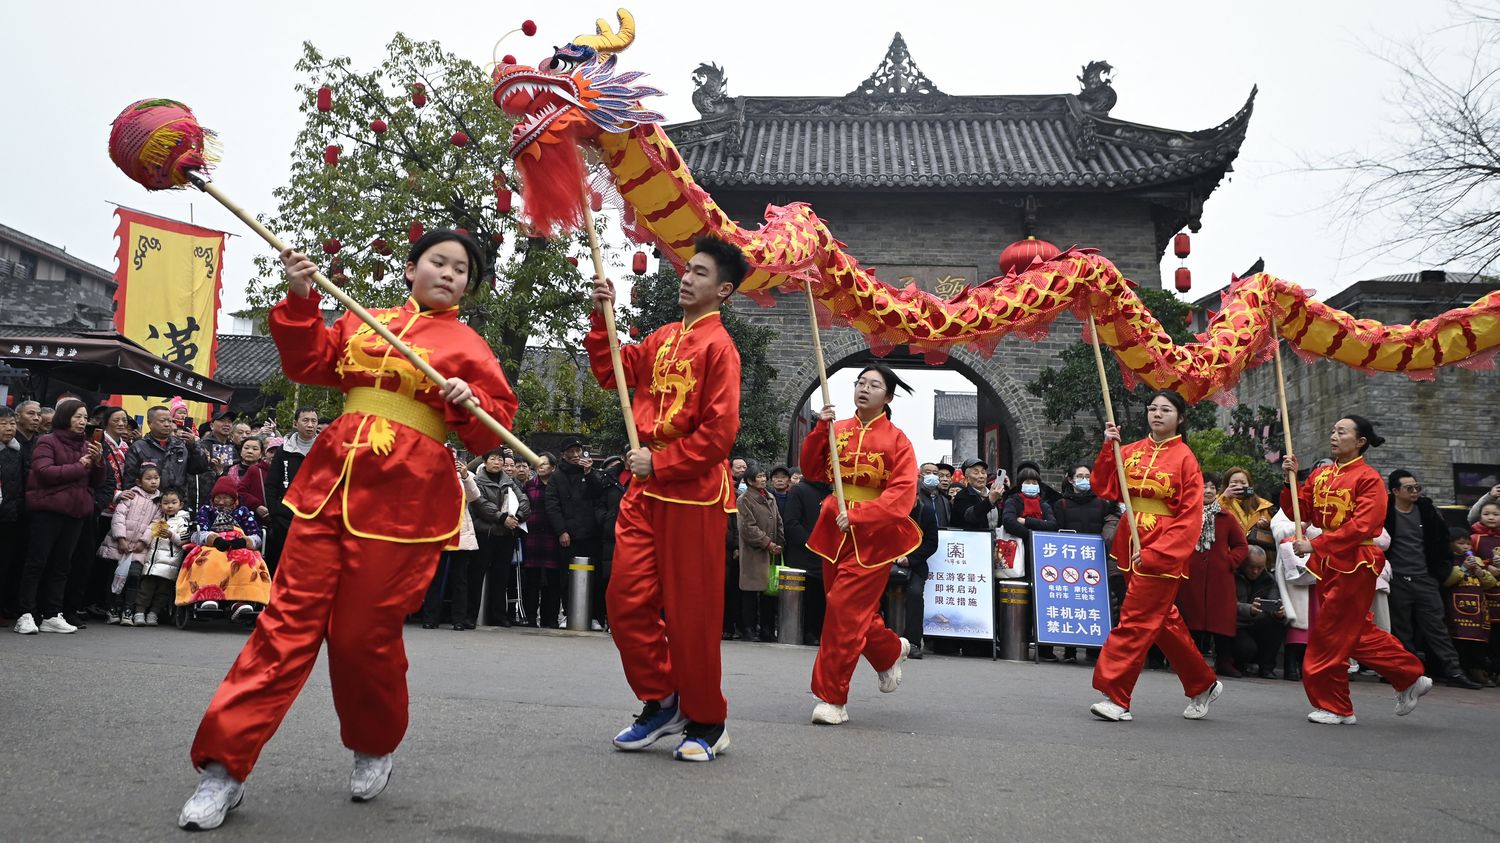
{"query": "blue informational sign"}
(1071, 589)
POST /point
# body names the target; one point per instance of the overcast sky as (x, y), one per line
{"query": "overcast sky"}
(73, 66)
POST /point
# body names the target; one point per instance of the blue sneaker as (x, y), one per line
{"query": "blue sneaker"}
(654, 722)
(702, 743)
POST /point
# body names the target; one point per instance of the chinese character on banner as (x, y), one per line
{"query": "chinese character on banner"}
(169, 277)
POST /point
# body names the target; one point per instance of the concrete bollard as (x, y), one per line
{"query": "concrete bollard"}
(790, 586)
(579, 610)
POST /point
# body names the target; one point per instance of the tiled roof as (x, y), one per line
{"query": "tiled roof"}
(955, 408)
(246, 361)
(897, 130)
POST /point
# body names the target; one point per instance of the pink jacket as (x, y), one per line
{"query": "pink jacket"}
(132, 522)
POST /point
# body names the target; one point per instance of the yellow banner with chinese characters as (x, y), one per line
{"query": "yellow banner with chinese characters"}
(169, 273)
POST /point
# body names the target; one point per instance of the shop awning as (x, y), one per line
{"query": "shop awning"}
(103, 361)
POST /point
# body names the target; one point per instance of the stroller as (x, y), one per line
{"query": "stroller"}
(225, 580)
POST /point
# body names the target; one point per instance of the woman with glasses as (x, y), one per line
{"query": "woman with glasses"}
(879, 471)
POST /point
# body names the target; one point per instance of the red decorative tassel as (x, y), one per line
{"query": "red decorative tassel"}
(415, 233)
(325, 99)
(459, 139)
(638, 263)
(378, 126)
(331, 246)
(331, 155)
(528, 28)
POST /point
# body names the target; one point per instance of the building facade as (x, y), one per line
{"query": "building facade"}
(928, 188)
(41, 284)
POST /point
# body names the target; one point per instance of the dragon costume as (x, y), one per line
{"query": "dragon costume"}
(578, 101)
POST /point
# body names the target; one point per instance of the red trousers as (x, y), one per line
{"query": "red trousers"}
(666, 602)
(356, 594)
(1342, 629)
(852, 626)
(1149, 616)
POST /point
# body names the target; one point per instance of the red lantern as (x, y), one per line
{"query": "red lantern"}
(1182, 245)
(380, 247)
(325, 99)
(459, 139)
(528, 28)
(331, 246)
(418, 94)
(498, 237)
(331, 155)
(1021, 254)
(596, 202)
(378, 272)
(635, 333)
(1184, 279)
(415, 233)
(378, 126)
(572, 260)
(503, 201)
(638, 263)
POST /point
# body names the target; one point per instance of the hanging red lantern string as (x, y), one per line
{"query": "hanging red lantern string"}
(1182, 245)
(331, 246)
(418, 94)
(325, 99)
(1021, 254)
(596, 202)
(1184, 279)
(331, 155)
(638, 263)
(503, 201)
(415, 232)
(378, 126)
(380, 247)
(459, 139)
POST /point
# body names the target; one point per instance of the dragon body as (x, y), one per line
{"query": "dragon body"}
(665, 207)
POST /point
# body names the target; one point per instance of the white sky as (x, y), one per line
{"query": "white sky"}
(73, 66)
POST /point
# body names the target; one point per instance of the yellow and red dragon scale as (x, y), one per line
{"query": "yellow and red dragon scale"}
(794, 247)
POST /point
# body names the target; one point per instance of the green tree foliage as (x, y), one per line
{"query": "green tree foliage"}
(653, 303)
(1254, 435)
(1071, 391)
(414, 172)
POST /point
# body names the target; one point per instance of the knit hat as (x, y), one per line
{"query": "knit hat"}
(226, 485)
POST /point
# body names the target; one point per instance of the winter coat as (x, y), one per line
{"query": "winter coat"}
(177, 460)
(131, 522)
(203, 483)
(1086, 512)
(1247, 591)
(1010, 518)
(12, 482)
(112, 483)
(58, 482)
(607, 510)
(278, 480)
(1434, 535)
(466, 538)
(244, 519)
(803, 502)
(760, 527)
(1206, 598)
(541, 549)
(495, 496)
(925, 514)
(164, 556)
(570, 497)
(253, 482)
(971, 510)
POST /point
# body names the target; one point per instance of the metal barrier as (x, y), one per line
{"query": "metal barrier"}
(1014, 608)
(790, 586)
(579, 574)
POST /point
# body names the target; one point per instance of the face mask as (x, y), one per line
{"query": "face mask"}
(1082, 485)
(930, 481)
(1030, 490)
(742, 488)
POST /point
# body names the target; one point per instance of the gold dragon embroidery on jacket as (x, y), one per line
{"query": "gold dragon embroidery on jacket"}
(1144, 478)
(1334, 504)
(672, 381)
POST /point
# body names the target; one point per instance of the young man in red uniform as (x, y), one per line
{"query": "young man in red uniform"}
(373, 505)
(666, 592)
(1348, 501)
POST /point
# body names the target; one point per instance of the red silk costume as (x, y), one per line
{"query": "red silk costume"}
(669, 537)
(375, 501)
(1166, 494)
(879, 469)
(1348, 502)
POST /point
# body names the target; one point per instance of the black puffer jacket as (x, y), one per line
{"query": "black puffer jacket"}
(12, 483)
(570, 501)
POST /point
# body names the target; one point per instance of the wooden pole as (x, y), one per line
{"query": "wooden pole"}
(358, 310)
(1286, 426)
(609, 328)
(833, 445)
(1109, 413)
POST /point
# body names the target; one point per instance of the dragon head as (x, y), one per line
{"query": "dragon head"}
(564, 102)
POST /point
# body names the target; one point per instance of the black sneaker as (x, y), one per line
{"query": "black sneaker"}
(702, 742)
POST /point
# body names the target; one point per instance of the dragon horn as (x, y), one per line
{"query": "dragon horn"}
(609, 41)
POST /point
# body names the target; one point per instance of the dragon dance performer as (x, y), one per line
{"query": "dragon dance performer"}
(1347, 500)
(879, 470)
(1166, 494)
(356, 562)
(666, 592)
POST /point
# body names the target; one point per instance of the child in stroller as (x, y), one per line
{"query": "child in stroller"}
(224, 574)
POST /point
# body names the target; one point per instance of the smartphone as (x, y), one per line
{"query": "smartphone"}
(1001, 479)
(95, 434)
(1269, 605)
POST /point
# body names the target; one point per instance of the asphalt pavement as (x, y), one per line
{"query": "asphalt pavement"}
(509, 741)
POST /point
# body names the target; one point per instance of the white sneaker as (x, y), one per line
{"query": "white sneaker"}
(1197, 707)
(217, 794)
(1406, 701)
(138, 619)
(370, 776)
(1328, 718)
(1107, 710)
(596, 626)
(56, 624)
(25, 625)
(828, 714)
(126, 618)
(890, 679)
(151, 619)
